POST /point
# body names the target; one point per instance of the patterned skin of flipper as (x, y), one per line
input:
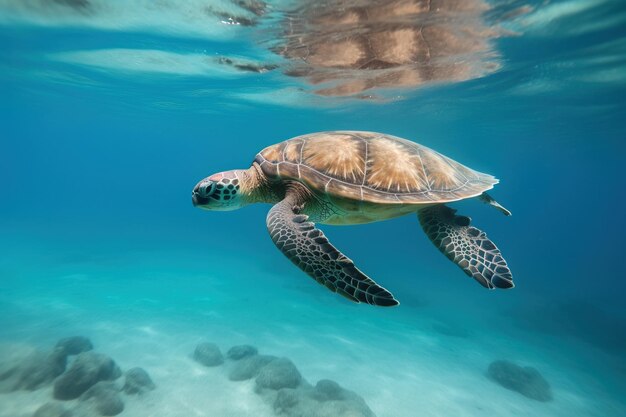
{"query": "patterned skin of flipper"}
(308, 248)
(466, 246)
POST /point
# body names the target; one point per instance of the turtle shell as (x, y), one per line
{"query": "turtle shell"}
(372, 167)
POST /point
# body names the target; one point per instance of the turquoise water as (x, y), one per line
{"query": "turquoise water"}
(112, 111)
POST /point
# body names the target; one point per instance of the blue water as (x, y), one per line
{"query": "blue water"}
(99, 152)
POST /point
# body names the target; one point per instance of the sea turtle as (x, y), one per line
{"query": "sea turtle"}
(352, 177)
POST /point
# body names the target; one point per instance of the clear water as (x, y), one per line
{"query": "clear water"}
(112, 111)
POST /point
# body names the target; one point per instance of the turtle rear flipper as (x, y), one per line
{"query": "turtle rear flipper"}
(466, 246)
(487, 199)
(308, 248)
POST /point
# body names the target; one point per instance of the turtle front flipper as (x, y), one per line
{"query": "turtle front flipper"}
(466, 246)
(308, 248)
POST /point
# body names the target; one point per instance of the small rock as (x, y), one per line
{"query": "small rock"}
(88, 369)
(249, 367)
(279, 373)
(33, 371)
(44, 370)
(104, 398)
(239, 352)
(52, 410)
(342, 409)
(338, 401)
(525, 380)
(286, 399)
(74, 345)
(208, 354)
(327, 390)
(137, 381)
(327, 399)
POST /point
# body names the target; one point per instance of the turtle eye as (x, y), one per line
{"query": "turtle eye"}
(206, 189)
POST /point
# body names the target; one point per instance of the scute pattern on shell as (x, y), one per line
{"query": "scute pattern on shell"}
(372, 167)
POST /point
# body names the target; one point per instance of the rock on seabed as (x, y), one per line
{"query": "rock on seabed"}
(208, 354)
(88, 369)
(525, 380)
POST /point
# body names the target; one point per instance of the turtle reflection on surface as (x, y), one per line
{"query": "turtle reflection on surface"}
(350, 46)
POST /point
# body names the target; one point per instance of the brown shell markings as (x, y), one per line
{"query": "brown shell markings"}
(393, 168)
(337, 155)
(372, 167)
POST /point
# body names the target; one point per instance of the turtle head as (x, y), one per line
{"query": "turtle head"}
(219, 192)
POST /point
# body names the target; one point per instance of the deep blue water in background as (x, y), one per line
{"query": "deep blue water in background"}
(97, 167)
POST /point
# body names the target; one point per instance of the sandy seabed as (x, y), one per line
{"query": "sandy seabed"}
(420, 359)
